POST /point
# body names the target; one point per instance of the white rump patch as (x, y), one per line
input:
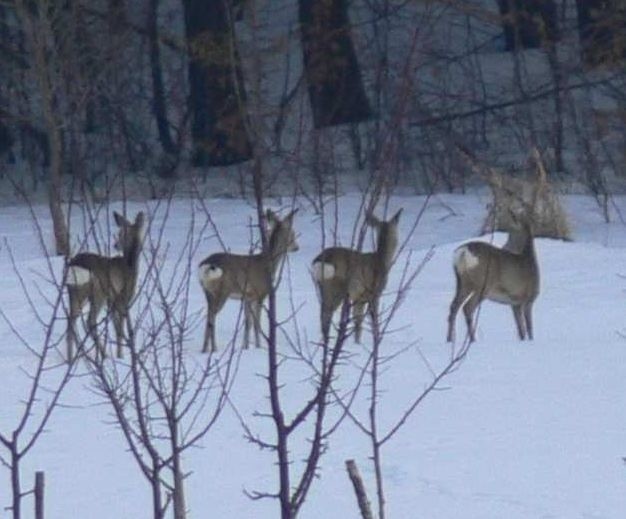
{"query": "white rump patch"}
(78, 276)
(464, 260)
(208, 272)
(323, 271)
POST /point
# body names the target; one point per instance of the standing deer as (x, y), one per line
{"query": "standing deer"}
(361, 277)
(247, 277)
(105, 281)
(508, 275)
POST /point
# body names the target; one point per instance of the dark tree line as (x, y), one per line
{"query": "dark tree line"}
(602, 27)
(528, 24)
(332, 70)
(217, 97)
(216, 107)
(131, 94)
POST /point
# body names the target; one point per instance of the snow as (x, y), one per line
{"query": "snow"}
(522, 430)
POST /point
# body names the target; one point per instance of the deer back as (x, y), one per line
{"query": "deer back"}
(106, 278)
(354, 270)
(499, 274)
(111, 278)
(363, 274)
(249, 276)
(236, 276)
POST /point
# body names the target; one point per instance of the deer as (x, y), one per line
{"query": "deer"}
(342, 273)
(249, 278)
(507, 275)
(103, 281)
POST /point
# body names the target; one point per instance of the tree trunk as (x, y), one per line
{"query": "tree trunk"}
(180, 509)
(559, 129)
(16, 485)
(39, 494)
(6, 139)
(157, 503)
(601, 26)
(59, 225)
(217, 97)
(35, 35)
(528, 24)
(373, 414)
(359, 490)
(332, 71)
(159, 104)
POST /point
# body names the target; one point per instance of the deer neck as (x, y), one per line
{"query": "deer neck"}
(131, 256)
(516, 242)
(528, 247)
(521, 242)
(276, 252)
(386, 248)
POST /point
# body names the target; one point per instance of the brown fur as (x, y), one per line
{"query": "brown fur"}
(112, 283)
(509, 277)
(359, 276)
(245, 277)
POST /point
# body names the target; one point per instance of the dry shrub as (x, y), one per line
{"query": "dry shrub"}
(523, 195)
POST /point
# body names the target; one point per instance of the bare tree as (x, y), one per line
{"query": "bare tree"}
(45, 371)
(380, 360)
(332, 70)
(165, 401)
(159, 101)
(217, 95)
(36, 22)
(294, 482)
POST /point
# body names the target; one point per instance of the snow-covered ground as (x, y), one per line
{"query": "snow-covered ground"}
(523, 429)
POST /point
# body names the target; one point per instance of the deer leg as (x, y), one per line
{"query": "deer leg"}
(372, 309)
(214, 305)
(331, 299)
(461, 295)
(528, 317)
(119, 318)
(326, 318)
(247, 321)
(209, 330)
(358, 312)
(92, 325)
(209, 333)
(468, 309)
(255, 308)
(252, 311)
(76, 305)
(519, 321)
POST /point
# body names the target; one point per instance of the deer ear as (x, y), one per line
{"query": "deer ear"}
(119, 219)
(271, 216)
(371, 220)
(140, 219)
(396, 217)
(292, 214)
